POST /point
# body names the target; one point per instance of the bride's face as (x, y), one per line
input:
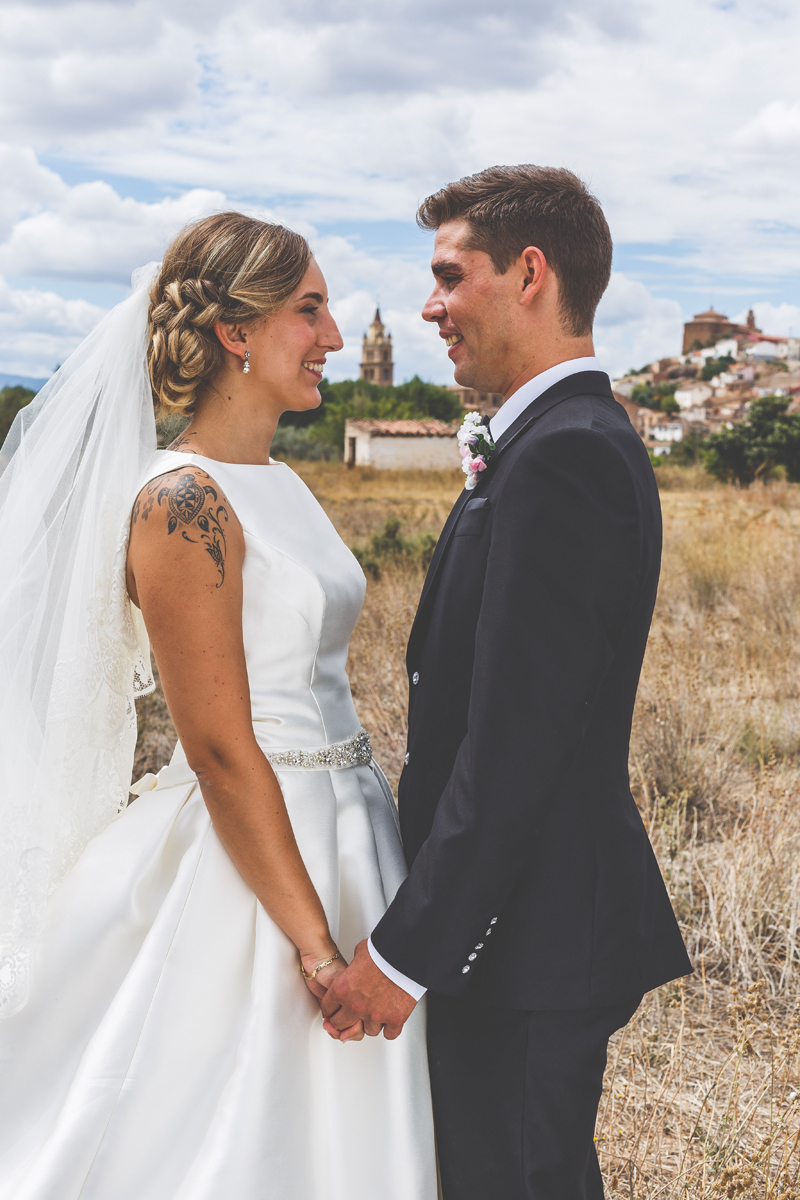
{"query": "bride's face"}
(288, 350)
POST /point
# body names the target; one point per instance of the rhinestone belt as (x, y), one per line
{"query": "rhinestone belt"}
(355, 752)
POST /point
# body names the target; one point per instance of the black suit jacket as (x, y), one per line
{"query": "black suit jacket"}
(532, 879)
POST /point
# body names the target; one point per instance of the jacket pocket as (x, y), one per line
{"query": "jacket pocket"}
(474, 517)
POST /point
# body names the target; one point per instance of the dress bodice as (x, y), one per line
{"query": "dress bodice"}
(302, 593)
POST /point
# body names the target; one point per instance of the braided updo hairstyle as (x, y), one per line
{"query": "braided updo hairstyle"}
(228, 267)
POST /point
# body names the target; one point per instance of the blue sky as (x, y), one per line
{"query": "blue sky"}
(121, 121)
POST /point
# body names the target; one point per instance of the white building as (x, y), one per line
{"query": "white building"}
(725, 348)
(767, 351)
(405, 445)
(693, 396)
(668, 433)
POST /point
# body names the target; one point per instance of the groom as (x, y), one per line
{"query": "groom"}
(534, 913)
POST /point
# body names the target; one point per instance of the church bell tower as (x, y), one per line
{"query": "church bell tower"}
(376, 354)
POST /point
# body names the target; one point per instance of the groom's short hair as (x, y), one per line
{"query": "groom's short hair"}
(509, 208)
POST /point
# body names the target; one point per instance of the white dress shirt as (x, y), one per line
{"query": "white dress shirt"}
(499, 423)
(415, 990)
(519, 400)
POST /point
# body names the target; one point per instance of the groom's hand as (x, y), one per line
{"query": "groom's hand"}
(363, 993)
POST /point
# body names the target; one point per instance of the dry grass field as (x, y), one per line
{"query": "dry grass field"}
(703, 1087)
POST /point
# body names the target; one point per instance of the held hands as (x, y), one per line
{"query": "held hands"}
(318, 986)
(360, 995)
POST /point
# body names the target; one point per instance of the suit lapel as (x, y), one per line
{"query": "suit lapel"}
(443, 542)
(433, 569)
(584, 383)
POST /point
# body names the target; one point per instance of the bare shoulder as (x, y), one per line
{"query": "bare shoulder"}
(185, 516)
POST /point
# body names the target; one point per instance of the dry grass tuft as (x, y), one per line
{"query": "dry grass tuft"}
(703, 1087)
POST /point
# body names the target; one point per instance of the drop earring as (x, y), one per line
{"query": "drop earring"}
(246, 367)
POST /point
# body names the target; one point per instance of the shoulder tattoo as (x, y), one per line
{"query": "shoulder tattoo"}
(192, 507)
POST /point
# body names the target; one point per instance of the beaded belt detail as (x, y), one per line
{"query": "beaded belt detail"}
(355, 752)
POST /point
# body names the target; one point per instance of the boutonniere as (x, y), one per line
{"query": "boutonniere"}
(476, 447)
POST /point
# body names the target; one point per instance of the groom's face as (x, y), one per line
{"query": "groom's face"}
(473, 305)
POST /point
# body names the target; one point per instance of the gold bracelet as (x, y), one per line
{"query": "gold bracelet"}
(317, 970)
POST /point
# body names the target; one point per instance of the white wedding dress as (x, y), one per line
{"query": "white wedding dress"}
(170, 1049)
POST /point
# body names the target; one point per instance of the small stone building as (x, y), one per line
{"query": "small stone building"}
(411, 445)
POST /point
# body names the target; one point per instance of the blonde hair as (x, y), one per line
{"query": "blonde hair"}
(228, 267)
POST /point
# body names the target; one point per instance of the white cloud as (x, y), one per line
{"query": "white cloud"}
(91, 233)
(358, 282)
(682, 117)
(28, 187)
(778, 320)
(38, 330)
(74, 67)
(775, 127)
(634, 327)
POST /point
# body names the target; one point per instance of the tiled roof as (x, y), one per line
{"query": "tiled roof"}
(381, 428)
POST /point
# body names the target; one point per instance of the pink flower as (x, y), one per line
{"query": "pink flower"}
(478, 463)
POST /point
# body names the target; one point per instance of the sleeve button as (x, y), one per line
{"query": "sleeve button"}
(405, 760)
(472, 957)
(479, 946)
(493, 921)
(464, 970)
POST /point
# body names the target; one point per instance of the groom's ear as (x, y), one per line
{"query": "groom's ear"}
(535, 274)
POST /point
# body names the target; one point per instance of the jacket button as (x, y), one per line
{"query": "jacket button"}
(405, 760)
(415, 678)
(464, 970)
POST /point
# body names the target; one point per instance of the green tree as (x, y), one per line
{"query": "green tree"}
(359, 398)
(754, 449)
(658, 396)
(388, 547)
(715, 366)
(12, 399)
(687, 451)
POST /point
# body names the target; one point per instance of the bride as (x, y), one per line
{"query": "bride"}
(162, 964)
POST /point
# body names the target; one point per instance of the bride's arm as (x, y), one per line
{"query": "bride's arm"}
(185, 574)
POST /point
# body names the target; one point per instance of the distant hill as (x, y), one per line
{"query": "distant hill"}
(27, 381)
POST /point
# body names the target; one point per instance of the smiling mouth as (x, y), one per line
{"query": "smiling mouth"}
(453, 340)
(316, 368)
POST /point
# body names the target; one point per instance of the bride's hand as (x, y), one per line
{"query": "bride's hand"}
(320, 984)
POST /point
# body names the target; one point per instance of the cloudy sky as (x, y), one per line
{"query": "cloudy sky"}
(120, 121)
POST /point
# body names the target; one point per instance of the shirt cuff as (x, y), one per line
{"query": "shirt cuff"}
(415, 990)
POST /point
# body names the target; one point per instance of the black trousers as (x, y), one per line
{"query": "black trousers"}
(515, 1098)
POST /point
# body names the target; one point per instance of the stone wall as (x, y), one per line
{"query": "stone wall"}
(406, 453)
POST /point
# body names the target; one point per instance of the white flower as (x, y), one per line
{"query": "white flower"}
(471, 429)
(469, 436)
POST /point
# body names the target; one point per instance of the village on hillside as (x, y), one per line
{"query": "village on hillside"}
(722, 368)
(709, 386)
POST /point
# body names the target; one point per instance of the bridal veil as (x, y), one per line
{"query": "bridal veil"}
(73, 649)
